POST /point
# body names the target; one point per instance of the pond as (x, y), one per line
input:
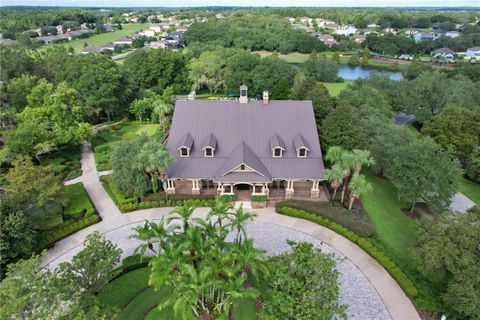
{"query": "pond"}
(347, 72)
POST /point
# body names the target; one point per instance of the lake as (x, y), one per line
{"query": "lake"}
(353, 73)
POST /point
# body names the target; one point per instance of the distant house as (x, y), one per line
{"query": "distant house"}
(359, 38)
(77, 33)
(452, 34)
(389, 30)
(473, 53)
(148, 33)
(424, 36)
(110, 27)
(124, 40)
(446, 53)
(98, 49)
(327, 39)
(59, 29)
(330, 25)
(53, 39)
(346, 30)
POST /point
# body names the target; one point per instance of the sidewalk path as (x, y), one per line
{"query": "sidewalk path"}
(102, 202)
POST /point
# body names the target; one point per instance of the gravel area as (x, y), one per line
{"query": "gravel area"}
(361, 298)
(460, 203)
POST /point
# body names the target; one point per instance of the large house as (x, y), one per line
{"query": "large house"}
(244, 147)
(473, 53)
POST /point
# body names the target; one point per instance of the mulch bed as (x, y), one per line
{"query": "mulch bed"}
(408, 213)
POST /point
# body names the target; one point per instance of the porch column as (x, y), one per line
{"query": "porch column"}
(254, 189)
(289, 191)
(195, 187)
(315, 191)
(170, 187)
(219, 188)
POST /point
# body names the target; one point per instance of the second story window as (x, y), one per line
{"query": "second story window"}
(277, 152)
(208, 152)
(302, 152)
(184, 152)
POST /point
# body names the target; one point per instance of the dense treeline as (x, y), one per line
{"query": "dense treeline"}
(253, 31)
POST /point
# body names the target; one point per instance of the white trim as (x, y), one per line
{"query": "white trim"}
(302, 147)
(181, 153)
(281, 152)
(306, 152)
(246, 166)
(205, 152)
(208, 146)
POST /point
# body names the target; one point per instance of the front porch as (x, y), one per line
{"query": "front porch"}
(275, 191)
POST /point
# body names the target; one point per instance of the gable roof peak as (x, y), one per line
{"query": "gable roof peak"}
(300, 142)
(186, 141)
(276, 141)
(242, 154)
(210, 142)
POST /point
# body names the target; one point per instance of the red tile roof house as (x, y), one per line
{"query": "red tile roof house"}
(244, 147)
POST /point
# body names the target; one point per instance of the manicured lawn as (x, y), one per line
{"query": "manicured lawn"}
(294, 57)
(392, 228)
(78, 202)
(124, 131)
(136, 300)
(470, 189)
(334, 89)
(103, 38)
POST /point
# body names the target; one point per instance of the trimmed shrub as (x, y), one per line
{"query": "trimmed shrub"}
(227, 197)
(405, 283)
(48, 238)
(356, 220)
(259, 197)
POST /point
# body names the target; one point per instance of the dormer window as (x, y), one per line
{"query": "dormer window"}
(302, 152)
(184, 152)
(277, 152)
(208, 152)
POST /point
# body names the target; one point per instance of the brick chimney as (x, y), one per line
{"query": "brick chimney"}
(265, 97)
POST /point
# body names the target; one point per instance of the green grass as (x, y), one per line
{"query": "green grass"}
(103, 38)
(64, 162)
(78, 202)
(121, 290)
(124, 131)
(294, 57)
(470, 189)
(334, 89)
(411, 131)
(392, 228)
(131, 294)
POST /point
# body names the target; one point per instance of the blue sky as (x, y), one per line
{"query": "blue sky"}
(279, 3)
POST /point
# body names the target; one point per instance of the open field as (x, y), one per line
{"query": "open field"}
(103, 38)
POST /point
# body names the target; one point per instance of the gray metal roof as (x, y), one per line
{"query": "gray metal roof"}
(276, 141)
(300, 142)
(244, 133)
(243, 155)
(186, 141)
(210, 141)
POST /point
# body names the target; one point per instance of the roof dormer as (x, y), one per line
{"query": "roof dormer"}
(277, 146)
(209, 146)
(185, 146)
(243, 94)
(301, 146)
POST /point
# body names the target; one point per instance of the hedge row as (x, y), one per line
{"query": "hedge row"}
(131, 263)
(227, 197)
(167, 203)
(259, 198)
(48, 238)
(363, 243)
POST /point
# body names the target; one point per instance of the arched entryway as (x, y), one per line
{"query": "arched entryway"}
(242, 191)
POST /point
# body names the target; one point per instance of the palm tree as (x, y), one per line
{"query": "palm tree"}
(335, 175)
(182, 213)
(144, 233)
(347, 163)
(238, 222)
(359, 186)
(220, 210)
(161, 108)
(154, 160)
(335, 154)
(250, 259)
(362, 158)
